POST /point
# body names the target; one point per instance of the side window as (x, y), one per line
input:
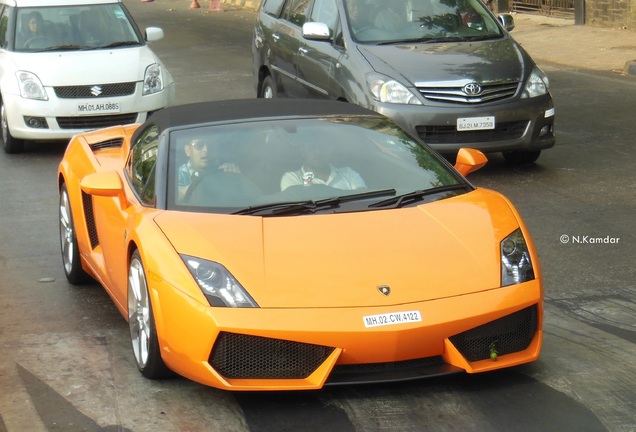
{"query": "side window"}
(325, 11)
(296, 11)
(273, 7)
(141, 165)
(4, 22)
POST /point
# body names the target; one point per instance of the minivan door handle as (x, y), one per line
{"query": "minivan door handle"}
(275, 36)
(302, 51)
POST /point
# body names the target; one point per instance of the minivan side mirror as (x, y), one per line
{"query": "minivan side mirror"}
(316, 31)
(507, 21)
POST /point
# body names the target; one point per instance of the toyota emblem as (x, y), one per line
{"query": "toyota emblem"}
(472, 89)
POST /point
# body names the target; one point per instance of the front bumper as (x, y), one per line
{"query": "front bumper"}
(294, 349)
(520, 125)
(60, 118)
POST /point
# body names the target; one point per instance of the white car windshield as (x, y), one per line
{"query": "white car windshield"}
(304, 166)
(398, 21)
(53, 28)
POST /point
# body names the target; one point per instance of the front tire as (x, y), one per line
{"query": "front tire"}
(143, 332)
(73, 270)
(268, 89)
(9, 144)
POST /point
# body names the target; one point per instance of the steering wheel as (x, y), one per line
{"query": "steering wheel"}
(41, 40)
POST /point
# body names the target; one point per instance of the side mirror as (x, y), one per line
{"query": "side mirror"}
(316, 31)
(507, 21)
(105, 184)
(153, 34)
(469, 160)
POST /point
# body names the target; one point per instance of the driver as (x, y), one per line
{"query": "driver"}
(34, 28)
(200, 157)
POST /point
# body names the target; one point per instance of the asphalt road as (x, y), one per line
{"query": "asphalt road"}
(65, 360)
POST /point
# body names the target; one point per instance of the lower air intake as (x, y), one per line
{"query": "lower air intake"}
(509, 334)
(238, 356)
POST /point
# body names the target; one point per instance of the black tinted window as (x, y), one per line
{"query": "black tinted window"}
(325, 11)
(273, 7)
(141, 165)
(296, 11)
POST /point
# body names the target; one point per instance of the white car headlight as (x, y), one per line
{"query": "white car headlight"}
(388, 90)
(537, 84)
(153, 79)
(516, 266)
(218, 285)
(30, 86)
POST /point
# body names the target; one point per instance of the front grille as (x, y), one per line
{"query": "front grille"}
(450, 135)
(102, 90)
(87, 202)
(253, 357)
(455, 94)
(96, 122)
(508, 334)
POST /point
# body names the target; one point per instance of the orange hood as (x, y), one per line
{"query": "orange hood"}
(442, 249)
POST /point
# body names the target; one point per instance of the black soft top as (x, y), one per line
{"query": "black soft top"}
(243, 109)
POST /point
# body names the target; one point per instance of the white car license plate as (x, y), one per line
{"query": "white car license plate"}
(89, 108)
(475, 123)
(392, 318)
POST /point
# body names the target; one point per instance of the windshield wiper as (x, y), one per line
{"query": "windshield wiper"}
(60, 48)
(422, 40)
(415, 196)
(309, 206)
(120, 43)
(111, 45)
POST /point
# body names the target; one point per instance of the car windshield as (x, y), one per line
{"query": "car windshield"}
(399, 21)
(65, 28)
(302, 166)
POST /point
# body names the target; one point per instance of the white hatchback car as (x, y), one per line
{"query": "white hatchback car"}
(70, 66)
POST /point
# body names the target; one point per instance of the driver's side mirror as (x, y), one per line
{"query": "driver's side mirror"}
(469, 160)
(105, 184)
(507, 21)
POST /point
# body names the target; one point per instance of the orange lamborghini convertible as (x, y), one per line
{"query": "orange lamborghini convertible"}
(291, 244)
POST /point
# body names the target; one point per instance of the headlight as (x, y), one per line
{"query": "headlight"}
(516, 266)
(217, 284)
(385, 89)
(153, 79)
(537, 84)
(30, 86)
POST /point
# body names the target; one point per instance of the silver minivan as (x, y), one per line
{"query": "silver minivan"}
(446, 70)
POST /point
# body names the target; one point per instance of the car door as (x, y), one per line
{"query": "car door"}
(285, 41)
(316, 60)
(115, 222)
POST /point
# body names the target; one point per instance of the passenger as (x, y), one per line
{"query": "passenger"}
(317, 169)
(200, 158)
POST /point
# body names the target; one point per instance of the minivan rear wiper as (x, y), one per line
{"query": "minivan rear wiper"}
(418, 195)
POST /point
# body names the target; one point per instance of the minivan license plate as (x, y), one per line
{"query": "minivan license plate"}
(97, 108)
(475, 123)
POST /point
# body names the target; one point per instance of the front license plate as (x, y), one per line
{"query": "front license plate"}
(392, 318)
(88, 108)
(475, 123)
